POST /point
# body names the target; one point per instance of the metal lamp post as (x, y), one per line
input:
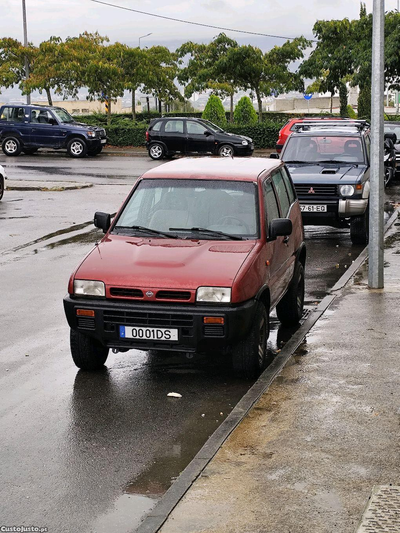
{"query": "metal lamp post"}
(143, 36)
(28, 96)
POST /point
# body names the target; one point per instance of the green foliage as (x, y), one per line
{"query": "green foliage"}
(126, 135)
(350, 112)
(244, 112)
(364, 102)
(264, 135)
(214, 111)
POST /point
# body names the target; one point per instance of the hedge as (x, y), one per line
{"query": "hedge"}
(126, 135)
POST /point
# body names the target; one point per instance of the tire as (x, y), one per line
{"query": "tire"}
(1, 186)
(359, 228)
(77, 147)
(249, 355)
(11, 146)
(290, 309)
(29, 151)
(95, 151)
(156, 151)
(87, 353)
(226, 151)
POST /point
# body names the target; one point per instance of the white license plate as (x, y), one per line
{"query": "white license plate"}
(314, 208)
(103, 141)
(148, 334)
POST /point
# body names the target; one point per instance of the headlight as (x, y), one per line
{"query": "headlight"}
(347, 190)
(83, 287)
(245, 143)
(213, 294)
(91, 134)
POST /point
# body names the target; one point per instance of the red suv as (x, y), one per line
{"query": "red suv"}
(195, 260)
(290, 127)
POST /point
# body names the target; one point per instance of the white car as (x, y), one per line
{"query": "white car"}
(3, 177)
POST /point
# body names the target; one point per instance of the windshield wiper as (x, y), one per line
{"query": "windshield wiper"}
(148, 230)
(209, 232)
(297, 162)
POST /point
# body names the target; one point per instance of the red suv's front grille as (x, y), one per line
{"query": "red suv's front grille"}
(173, 295)
(121, 292)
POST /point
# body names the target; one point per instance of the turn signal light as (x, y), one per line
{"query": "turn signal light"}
(359, 186)
(213, 320)
(84, 312)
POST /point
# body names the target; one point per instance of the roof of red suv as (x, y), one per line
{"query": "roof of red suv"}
(222, 168)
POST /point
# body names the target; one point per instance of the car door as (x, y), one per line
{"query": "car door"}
(199, 138)
(174, 136)
(46, 131)
(16, 120)
(285, 246)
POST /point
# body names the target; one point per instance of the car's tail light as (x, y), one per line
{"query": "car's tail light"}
(147, 136)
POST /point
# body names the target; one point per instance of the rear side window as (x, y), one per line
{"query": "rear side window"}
(174, 126)
(281, 191)
(14, 114)
(289, 185)
(270, 203)
(157, 126)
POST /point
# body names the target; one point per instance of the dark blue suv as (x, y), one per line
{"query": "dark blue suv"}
(26, 128)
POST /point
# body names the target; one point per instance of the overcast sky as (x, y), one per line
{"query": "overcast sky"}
(70, 17)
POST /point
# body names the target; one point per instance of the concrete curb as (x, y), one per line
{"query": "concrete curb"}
(32, 185)
(159, 514)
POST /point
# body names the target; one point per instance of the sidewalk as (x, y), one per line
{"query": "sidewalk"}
(308, 454)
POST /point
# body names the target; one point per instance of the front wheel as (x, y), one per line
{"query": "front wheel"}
(77, 148)
(290, 309)
(249, 355)
(156, 151)
(359, 228)
(11, 146)
(225, 150)
(87, 353)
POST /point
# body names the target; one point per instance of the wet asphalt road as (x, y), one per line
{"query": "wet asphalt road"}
(83, 452)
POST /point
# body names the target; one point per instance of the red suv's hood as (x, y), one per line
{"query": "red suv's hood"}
(121, 261)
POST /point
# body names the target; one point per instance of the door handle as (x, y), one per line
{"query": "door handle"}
(286, 239)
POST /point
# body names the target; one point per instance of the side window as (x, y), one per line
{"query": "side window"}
(283, 197)
(368, 146)
(14, 114)
(270, 203)
(157, 126)
(174, 126)
(42, 116)
(194, 128)
(289, 185)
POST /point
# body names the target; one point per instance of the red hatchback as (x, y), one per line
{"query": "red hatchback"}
(195, 260)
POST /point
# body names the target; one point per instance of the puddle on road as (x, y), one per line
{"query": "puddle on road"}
(90, 237)
(125, 516)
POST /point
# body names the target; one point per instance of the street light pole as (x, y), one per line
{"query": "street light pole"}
(375, 248)
(396, 94)
(28, 96)
(143, 36)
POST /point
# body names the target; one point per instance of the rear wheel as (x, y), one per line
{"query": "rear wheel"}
(225, 151)
(156, 151)
(77, 147)
(11, 146)
(290, 309)
(87, 353)
(249, 355)
(359, 228)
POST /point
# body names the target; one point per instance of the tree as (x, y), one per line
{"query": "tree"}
(245, 112)
(160, 72)
(266, 73)
(12, 62)
(214, 111)
(205, 70)
(135, 66)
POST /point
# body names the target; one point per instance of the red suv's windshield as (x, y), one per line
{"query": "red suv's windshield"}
(221, 205)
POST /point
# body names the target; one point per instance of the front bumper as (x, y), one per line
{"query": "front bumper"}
(96, 142)
(193, 334)
(337, 211)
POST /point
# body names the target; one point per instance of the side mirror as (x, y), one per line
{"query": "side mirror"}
(102, 221)
(274, 156)
(207, 133)
(280, 227)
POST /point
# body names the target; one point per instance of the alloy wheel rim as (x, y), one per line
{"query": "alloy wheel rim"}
(226, 152)
(76, 148)
(156, 151)
(11, 146)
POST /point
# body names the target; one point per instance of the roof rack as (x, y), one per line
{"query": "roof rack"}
(307, 125)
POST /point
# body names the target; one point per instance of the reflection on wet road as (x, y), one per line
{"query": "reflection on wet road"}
(93, 452)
